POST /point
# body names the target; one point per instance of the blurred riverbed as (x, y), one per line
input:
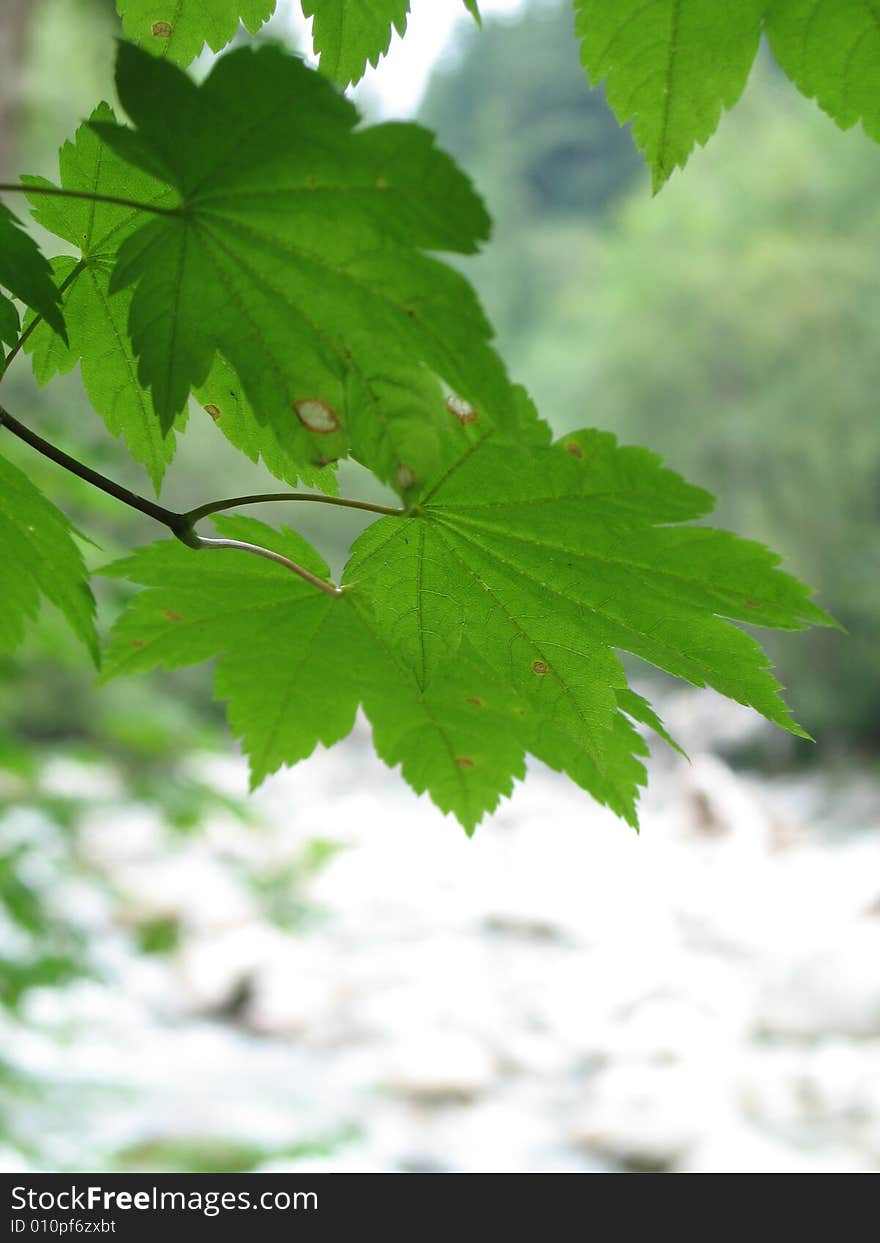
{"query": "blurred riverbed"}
(348, 983)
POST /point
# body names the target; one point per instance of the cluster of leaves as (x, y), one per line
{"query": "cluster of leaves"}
(348, 34)
(279, 262)
(671, 66)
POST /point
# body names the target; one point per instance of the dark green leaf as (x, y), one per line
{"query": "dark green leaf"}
(25, 272)
(10, 325)
(298, 251)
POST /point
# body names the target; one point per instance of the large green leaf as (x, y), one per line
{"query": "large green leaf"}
(297, 251)
(26, 273)
(831, 50)
(179, 29)
(671, 67)
(510, 588)
(39, 559)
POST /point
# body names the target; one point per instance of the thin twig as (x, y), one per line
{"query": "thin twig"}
(183, 525)
(213, 507)
(331, 589)
(177, 523)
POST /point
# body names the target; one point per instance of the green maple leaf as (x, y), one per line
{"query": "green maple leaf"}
(97, 321)
(671, 67)
(483, 625)
(297, 251)
(295, 663)
(831, 51)
(349, 35)
(179, 29)
(25, 273)
(40, 559)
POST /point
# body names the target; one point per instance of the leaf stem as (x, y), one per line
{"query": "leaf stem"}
(205, 541)
(182, 525)
(10, 187)
(213, 507)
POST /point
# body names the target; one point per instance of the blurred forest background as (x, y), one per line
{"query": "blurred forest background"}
(731, 324)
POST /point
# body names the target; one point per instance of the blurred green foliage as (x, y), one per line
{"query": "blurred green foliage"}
(730, 323)
(207, 1154)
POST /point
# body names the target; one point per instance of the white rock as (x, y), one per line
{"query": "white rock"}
(832, 989)
(440, 1065)
(645, 1116)
(740, 1149)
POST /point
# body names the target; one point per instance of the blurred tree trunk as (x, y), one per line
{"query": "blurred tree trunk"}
(14, 16)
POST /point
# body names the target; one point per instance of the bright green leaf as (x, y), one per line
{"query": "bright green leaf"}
(474, 9)
(671, 67)
(349, 34)
(831, 51)
(97, 324)
(25, 272)
(295, 663)
(97, 321)
(179, 29)
(39, 558)
(484, 625)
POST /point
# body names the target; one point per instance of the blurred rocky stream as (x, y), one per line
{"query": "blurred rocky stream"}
(350, 984)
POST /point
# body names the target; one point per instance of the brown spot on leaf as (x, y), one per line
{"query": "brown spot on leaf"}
(572, 447)
(751, 604)
(540, 667)
(316, 416)
(463, 410)
(463, 761)
(472, 699)
(162, 30)
(172, 616)
(137, 643)
(213, 410)
(311, 181)
(404, 476)
(381, 183)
